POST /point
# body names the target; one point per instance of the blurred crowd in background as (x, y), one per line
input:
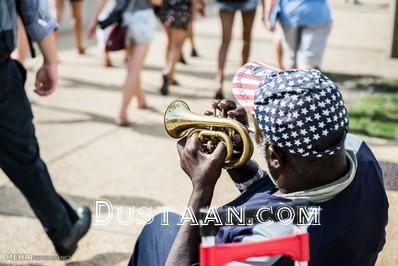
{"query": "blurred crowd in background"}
(301, 29)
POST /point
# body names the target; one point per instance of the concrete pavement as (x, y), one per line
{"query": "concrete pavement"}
(90, 158)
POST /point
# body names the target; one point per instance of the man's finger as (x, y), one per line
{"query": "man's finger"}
(215, 103)
(227, 105)
(193, 143)
(240, 115)
(233, 114)
(209, 113)
(220, 152)
(180, 146)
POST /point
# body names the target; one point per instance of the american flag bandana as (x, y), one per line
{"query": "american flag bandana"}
(294, 109)
(246, 80)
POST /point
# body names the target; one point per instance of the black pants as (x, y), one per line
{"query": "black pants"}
(20, 156)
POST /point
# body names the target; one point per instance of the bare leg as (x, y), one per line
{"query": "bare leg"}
(177, 40)
(167, 50)
(107, 59)
(22, 43)
(58, 10)
(227, 20)
(132, 83)
(278, 48)
(77, 24)
(247, 18)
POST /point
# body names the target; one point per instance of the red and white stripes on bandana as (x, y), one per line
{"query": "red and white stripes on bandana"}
(246, 81)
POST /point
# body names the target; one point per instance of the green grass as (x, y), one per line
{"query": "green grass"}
(376, 114)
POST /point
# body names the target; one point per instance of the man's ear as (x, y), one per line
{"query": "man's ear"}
(275, 157)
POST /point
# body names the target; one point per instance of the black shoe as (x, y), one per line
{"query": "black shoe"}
(175, 83)
(182, 60)
(164, 90)
(68, 246)
(194, 53)
(219, 95)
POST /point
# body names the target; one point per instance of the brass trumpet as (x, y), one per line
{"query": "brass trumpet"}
(180, 122)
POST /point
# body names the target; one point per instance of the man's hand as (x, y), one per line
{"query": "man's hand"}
(47, 75)
(229, 108)
(203, 169)
(46, 79)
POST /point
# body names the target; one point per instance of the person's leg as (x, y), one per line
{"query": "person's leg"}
(194, 52)
(131, 85)
(22, 43)
(247, 19)
(167, 50)
(77, 25)
(312, 45)
(58, 9)
(107, 59)
(227, 20)
(290, 43)
(20, 156)
(155, 241)
(177, 36)
(278, 47)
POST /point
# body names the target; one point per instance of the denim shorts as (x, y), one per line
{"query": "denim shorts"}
(243, 6)
(141, 26)
(305, 45)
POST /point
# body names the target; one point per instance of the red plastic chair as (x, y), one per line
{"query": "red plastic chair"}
(295, 246)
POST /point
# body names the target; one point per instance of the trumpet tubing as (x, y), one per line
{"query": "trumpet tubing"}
(180, 122)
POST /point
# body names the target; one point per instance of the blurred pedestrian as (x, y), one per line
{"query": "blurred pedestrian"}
(306, 25)
(77, 20)
(175, 16)
(197, 9)
(139, 19)
(19, 151)
(270, 16)
(103, 11)
(227, 10)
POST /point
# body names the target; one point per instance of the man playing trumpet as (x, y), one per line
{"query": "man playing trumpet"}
(302, 133)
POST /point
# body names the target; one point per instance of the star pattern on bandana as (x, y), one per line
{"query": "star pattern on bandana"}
(296, 108)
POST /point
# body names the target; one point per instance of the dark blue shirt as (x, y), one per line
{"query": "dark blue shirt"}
(352, 230)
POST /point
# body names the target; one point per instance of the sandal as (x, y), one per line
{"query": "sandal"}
(141, 103)
(123, 122)
(81, 50)
(174, 82)
(107, 63)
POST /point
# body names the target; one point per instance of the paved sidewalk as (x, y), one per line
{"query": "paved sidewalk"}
(90, 158)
